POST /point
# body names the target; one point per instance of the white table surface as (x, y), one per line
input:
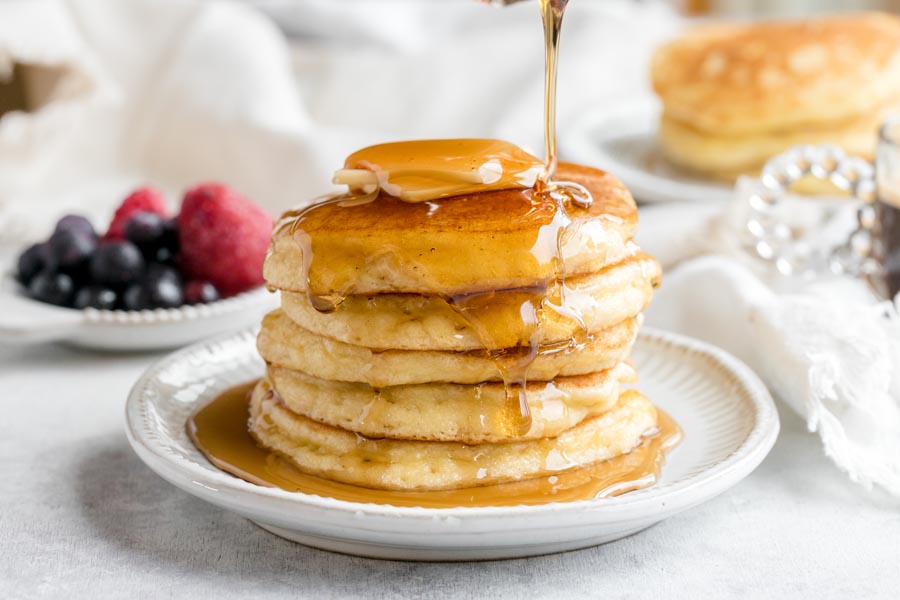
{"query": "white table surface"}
(82, 517)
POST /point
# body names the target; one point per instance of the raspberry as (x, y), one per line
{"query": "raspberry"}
(223, 238)
(145, 199)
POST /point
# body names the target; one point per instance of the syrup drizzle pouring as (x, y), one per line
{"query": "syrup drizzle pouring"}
(449, 172)
(513, 365)
(552, 13)
(514, 368)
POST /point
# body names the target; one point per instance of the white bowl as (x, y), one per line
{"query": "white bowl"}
(27, 321)
(727, 415)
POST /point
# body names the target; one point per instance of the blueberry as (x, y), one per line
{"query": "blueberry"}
(164, 293)
(156, 271)
(170, 235)
(164, 256)
(117, 264)
(71, 250)
(200, 292)
(33, 260)
(153, 293)
(76, 223)
(95, 296)
(145, 230)
(136, 297)
(50, 287)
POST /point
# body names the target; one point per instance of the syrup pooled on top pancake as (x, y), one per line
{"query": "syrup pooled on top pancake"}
(496, 242)
(474, 241)
(419, 171)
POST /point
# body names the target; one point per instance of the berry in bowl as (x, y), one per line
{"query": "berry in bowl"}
(151, 280)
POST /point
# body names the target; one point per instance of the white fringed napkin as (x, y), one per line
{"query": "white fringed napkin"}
(828, 348)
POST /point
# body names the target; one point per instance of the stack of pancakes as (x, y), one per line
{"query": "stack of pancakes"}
(378, 376)
(736, 94)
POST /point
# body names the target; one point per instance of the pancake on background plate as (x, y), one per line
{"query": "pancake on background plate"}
(734, 95)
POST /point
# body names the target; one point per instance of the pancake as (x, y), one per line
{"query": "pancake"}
(726, 157)
(283, 343)
(347, 457)
(469, 243)
(473, 414)
(414, 322)
(734, 95)
(750, 78)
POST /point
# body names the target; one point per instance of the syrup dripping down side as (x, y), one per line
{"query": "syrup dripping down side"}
(529, 304)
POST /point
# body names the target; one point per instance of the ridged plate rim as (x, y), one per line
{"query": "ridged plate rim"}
(199, 477)
(180, 314)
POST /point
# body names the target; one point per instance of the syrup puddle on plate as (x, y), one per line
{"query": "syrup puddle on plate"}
(220, 431)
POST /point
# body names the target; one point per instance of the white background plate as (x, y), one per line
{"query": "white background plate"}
(27, 321)
(727, 415)
(622, 140)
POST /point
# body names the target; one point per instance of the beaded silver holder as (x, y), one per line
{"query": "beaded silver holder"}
(774, 241)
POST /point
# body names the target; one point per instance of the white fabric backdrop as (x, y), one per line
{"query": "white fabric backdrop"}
(188, 90)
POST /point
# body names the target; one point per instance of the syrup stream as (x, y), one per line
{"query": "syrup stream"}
(552, 12)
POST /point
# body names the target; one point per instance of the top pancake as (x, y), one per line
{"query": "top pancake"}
(475, 242)
(739, 79)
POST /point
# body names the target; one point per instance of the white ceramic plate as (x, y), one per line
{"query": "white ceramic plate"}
(26, 321)
(622, 140)
(728, 418)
